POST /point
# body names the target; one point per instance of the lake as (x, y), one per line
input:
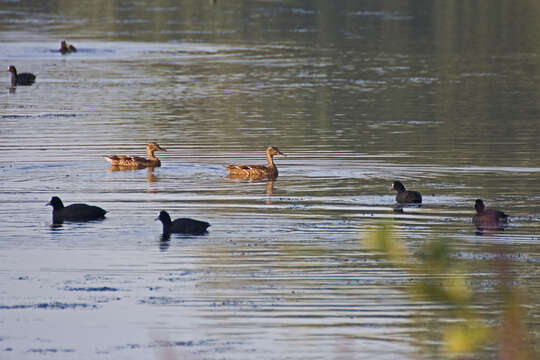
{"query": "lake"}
(440, 95)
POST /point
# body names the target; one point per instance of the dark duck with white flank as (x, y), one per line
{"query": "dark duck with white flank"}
(488, 219)
(182, 225)
(137, 162)
(22, 78)
(74, 212)
(66, 48)
(257, 171)
(406, 196)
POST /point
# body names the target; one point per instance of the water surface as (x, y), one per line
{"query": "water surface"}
(356, 94)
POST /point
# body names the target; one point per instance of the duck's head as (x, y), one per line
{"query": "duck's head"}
(164, 217)
(12, 69)
(153, 146)
(272, 150)
(398, 186)
(56, 203)
(479, 205)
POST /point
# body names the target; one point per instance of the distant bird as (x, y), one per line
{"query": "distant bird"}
(488, 219)
(66, 48)
(257, 171)
(22, 78)
(182, 226)
(74, 212)
(136, 161)
(406, 196)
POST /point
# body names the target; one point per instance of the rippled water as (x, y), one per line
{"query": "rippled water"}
(356, 95)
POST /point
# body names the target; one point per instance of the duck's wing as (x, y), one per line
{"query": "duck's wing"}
(247, 170)
(125, 160)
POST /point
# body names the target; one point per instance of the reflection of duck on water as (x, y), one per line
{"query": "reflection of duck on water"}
(136, 162)
(150, 176)
(257, 171)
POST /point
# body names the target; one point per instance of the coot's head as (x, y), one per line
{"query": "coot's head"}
(12, 69)
(164, 217)
(153, 146)
(56, 203)
(479, 205)
(272, 150)
(397, 185)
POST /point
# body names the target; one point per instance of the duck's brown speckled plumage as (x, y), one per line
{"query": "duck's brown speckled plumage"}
(129, 161)
(257, 171)
(66, 48)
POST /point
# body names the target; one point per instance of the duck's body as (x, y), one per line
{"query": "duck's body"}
(66, 48)
(406, 196)
(22, 78)
(488, 219)
(137, 162)
(182, 225)
(74, 212)
(257, 171)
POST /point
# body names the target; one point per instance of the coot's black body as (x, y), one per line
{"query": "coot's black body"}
(406, 196)
(74, 212)
(22, 78)
(182, 226)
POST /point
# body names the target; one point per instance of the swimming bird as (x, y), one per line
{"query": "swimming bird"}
(66, 48)
(74, 212)
(406, 196)
(182, 226)
(136, 161)
(257, 171)
(489, 219)
(22, 78)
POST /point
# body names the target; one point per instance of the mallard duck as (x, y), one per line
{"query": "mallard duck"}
(136, 161)
(489, 219)
(406, 196)
(257, 171)
(74, 212)
(181, 226)
(66, 48)
(22, 78)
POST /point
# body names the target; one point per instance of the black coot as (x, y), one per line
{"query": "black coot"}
(74, 212)
(22, 78)
(182, 226)
(406, 196)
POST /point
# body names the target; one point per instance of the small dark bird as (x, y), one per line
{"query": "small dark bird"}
(488, 219)
(182, 226)
(136, 162)
(406, 196)
(22, 78)
(74, 212)
(66, 48)
(257, 171)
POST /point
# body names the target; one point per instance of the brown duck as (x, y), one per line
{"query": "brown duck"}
(136, 161)
(257, 171)
(66, 48)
